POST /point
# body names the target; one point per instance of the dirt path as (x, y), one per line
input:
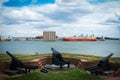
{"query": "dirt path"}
(113, 78)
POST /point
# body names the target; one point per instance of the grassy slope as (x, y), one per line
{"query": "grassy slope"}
(91, 57)
(71, 74)
(26, 57)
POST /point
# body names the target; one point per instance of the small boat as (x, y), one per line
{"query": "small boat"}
(101, 38)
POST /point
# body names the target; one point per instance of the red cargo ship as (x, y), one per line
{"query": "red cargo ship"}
(79, 39)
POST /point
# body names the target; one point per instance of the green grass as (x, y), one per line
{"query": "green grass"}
(1, 78)
(71, 74)
(27, 57)
(90, 57)
(23, 57)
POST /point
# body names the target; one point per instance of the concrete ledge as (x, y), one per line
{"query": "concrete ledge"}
(54, 67)
(108, 73)
(48, 60)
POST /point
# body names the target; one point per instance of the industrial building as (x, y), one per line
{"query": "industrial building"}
(49, 35)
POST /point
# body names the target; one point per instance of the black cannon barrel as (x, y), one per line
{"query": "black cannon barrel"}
(9, 54)
(54, 51)
(102, 66)
(16, 63)
(13, 57)
(107, 57)
(57, 58)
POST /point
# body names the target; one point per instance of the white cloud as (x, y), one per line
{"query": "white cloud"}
(66, 17)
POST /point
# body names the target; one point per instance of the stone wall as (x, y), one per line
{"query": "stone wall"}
(4, 66)
(48, 60)
(78, 62)
(117, 73)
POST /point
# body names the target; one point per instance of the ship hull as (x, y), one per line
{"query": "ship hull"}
(80, 39)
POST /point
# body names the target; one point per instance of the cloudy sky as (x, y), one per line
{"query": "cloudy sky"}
(66, 17)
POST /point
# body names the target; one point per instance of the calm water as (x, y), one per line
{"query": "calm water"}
(100, 48)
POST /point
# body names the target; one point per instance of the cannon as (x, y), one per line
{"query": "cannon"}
(58, 60)
(16, 64)
(103, 65)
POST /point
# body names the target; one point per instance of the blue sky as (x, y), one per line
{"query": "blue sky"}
(96, 2)
(66, 17)
(21, 3)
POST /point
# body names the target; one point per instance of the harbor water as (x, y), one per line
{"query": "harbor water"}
(98, 48)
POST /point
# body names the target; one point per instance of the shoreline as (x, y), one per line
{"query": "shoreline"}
(5, 57)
